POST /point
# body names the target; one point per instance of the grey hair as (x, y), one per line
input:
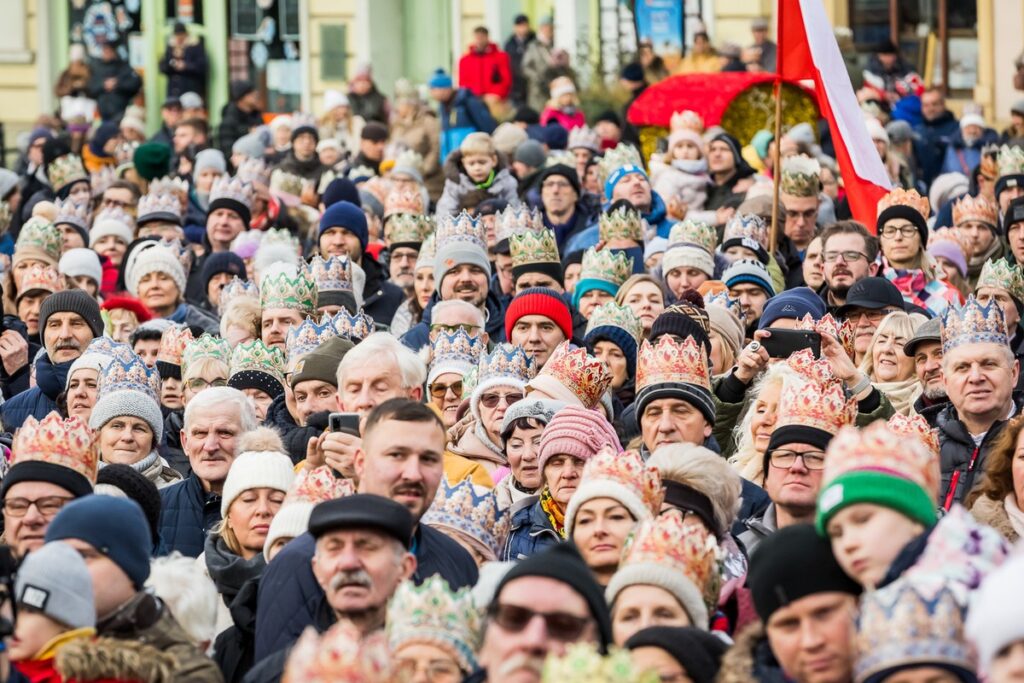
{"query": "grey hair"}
(369, 351)
(189, 593)
(458, 304)
(1005, 351)
(218, 396)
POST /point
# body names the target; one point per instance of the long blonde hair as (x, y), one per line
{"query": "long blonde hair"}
(899, 323)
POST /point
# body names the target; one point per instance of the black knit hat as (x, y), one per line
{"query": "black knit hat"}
(563, 562)
(698, 652)
(37, 470)
(563, 170)
(255, 379)
(676, 322)
(136, 486)
(907, 213)
(222, 262)
(793, 563)
(73, 301)
(788, 434)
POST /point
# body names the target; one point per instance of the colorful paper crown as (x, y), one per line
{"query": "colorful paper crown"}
(407, 228)
(431, 613)
(296, 293)
(532, 247)
(356, 327)
(306, 337)
(584, 136)
(408, 158)
(234, 189)
(206, 346)
(801, 176)
(163, 206)
(506, 360)
(629, 471)
(670, 361)
(722, 300)
(582, 663)
(115, 214)
(696, 232)
(610, 314)
(516, 219)
(749, 226)
(615, 158)
(455, 352)
(107, 347)
(404, 200)
(71, 213)
(1011, 160)
(253, 171)
(821, 406)
(979, 209)
(283, 182)
(606, 265)
(809, 368)
(909, 198)
(917, 427)
(39, 233)
(461, 228)
(1002, 274)
(876, 448)
(238, 288)
(126, 371)
(316, 486)
(255, 356)
(167, 184)
(686, 120)
(842, 331)
(428, 252)
(341, 655)
(101, 179)
(472, 512)
(331, 275)
(172, 344)
(953, 235)
(65, 170)
(624, 223)
(39, 277)
(586, 376)
(68, 443)
(973, 323)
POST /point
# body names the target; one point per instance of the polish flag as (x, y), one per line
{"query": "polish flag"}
(807, 50)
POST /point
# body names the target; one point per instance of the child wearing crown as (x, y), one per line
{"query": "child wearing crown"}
(680, 175)
(473, 173)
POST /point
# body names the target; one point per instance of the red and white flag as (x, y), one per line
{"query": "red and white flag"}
(807, 50)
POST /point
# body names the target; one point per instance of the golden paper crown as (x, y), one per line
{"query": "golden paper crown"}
(68, 443)
(916, 427)
(532, 247)
(234, 189)
(283, 182)
(407, 228)
(686, 120)
(163, 206)
(696, 232)
(801, 176)
(582, 663)
(461, 228)
(979, 209)
(617, 157)
(473, 513)
(65, 170)
(355, 327)
(610, 314)
(341, 655)
(331, 275)
(505, 360)
(255, 356)
(629, 471)
(746, 226)
(172, 344)
(516, 219)
(207, 346)
(822, 406)
(909, 198)
(973, 323)
(39, 277)
(670, 361)
(1011, 160)
(238, 288)
(253, 172)
(586, 376)
(1002, 274)
(952, 235)
(307, 337)
(39, 233)
(296, 293)
(433, 614)
(101, 179)
(624, 223)
(72, 214)
(877, 448)
(606, 265)
(404, 200)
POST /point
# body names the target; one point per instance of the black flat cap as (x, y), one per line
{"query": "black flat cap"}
(362, 511)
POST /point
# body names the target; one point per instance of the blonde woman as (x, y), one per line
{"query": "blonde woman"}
(564, 105)
(645, 296)
(754, 430)
(891, 371)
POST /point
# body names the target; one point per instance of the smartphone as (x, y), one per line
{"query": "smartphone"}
(344, 422)
(784, 343)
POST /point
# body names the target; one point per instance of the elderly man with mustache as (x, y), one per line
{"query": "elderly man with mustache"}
(68, 321)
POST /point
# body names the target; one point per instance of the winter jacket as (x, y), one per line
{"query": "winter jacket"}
(147, 620)
(568, 119)
(234, 123)
(13, 385)
(371, 106)
(171, 450)
(77, 656)
(421, 133)
(516, 49)
(486, 72)
(464, 114)
(111, 104)
(962, 157)
(40, 400)
(656, 217)
(531, 532)
(310, 169)
(457, 185)
(290, 598)
(750, 659)
(466, 441)
(418, 335)
(191, 315)
(564, 232)
(187, 515)
(233, 649)
(993, 513)
(191, 75)
(536, 60)
(381, 297)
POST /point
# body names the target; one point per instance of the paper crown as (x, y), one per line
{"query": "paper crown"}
(917, 619)
(115, 214)
(696, 232)
(431, 613)
(101, 180)
(280, 237)
(626, 469)
(68, 443)
(172, 344)
(64, 170)
(107, 347)
(615, 158)
(917, 427)
(686, 120)
(586, 137)
(822, 406)
(720, 299)
(801, 176)
(670, 361)
(164, 206)
(516, 219)
(355, 327)
(560, 157)
(877, 448)
(610, 314)
(126, 371)
(206, 346)
(407, 228)
(181, 252)
(361, 171)
(471, 511)
(408, 158)
(39, 233)
(296, 293)
(1011, 160)
(582, 663)
(238, 288)
(505, 360)
(749, 226)
(979, 208)
(255, 356)
(233, 189)
(167, 184)
(316, 486)
(586, 376)
(532, 247)
(606, 265)
(461, 228)
(37, 277)
(842, 331)
(910, 198)
(809, 368)
(331, 275)
(253, 171)
(404, 200)
(306, 337)
(624, 223)
(457, 351)
(71, 213)
(1002, 274)
(283, 182)
(973, 323)
(340, 655)
(428, 252)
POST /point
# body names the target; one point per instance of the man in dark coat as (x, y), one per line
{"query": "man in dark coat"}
(515, 46)
(112, 83)
(936, 130)
(240, 115)
(184, 64)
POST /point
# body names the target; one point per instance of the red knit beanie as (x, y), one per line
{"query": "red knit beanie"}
(539, 301)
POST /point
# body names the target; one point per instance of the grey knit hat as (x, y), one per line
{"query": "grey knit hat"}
(539, 409)
(73, 301)
(157, 258)
(128, 402)
(453, 253)
(209, 159)
(54, 580)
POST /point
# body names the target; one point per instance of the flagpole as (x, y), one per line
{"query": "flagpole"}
(776, 166)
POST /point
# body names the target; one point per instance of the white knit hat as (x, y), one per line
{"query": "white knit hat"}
(257, 469)
(688, 256)
(157, 258)
(81, 261)
(110, 226)
(334, 98)
(291, 520)
(993, 621)
(91, 361)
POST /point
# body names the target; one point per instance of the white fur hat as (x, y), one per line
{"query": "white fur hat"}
(105, 226)
(81, 261)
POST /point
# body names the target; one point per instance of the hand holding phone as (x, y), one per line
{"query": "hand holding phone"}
(782, 343)
(344, 422)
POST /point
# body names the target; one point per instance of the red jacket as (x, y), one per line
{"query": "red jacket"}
(486, 73)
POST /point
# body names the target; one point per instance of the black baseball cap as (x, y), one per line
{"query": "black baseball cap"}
(873, 293)
(928, 331)
(363, 511)
(1014, 212)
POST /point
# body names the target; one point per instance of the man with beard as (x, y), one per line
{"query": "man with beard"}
(925, 347)
(848, 254)
(404, 234)
(68, 321)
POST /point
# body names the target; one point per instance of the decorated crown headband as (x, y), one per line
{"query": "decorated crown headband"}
(909, 198)
(101, 180)
(973, 323)
(40, 277)
(316, 486)
(69, 443)
(1011, 160)
(979, 209)
(65, 170)
(126, 371)
(516, 219)
(404, 200)
(618, 157)
(877, 448)
(255, 356)
(341, 655)
(160, 205)
(172, 344)
(606, 265)
(629, 470)
(624, 223)
(238, 288)
(801, 176)
(70, 213)
(281, 237)
(461, 228)
(670, 361)
(253, 171)
(408, 158)
(582, 663)
(307, 337)
(331, 275)
(746, 225)
(456, 348)
(167, 184)
(232, 188)
(39, 233)
(586, 137)
(826, 407)
(471, 511)
(296, 293)
(696, 232)
(506, 360)
(356, 326)
(611, 314)
(686, 120)
(115, 214)
(207, 346)
(586, 376)
(811, 369)
(723, 300)
(1001, 274)
(283, 182)
(428, 253)
(408, 228)
(917, 427)
(842, 331)
(560, 157)
(532, 247)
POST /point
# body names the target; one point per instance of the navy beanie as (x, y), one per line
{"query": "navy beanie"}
(115, 527)
(345, 214)
(793, 303)
(102, 136)
(555, 135)
(618, 336)
(222, 262)
(340, 189)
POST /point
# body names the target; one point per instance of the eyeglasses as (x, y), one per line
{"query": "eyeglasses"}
(561, 626)
(437, 671)
(48, 507)
(809, 214)
(452, 329)
(905, 230)
(438, 390)
(783, 460)
(110, 203)
(491, 400)
(198, 383)
(848, 256)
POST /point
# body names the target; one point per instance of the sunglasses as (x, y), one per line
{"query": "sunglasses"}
(561, 626)
(492, 400)
(438, 390)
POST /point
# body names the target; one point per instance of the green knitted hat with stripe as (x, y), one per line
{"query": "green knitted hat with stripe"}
(881, 488)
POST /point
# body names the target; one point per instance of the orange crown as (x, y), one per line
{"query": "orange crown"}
(879, 448)
(843, 331)
(404, 200)
(821, 406)
(901, 197)
(980, 209)
(672, 361)
(68, 443)
(623, 476)
(173, 343)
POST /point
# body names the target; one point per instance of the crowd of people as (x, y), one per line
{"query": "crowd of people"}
(403, 395)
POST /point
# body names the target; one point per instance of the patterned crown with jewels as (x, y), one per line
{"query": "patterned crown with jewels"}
(461, 228)
(253, 171)
(64, 170)
(584, 375)
(101, 180)
(842, 331)
(126, 371)
(1011, 160)
(582, 663)
(331, 275)
(456, 350)
(532, 246)
(107, 347)
(916, 427)
(433, 613)
(306, 337)
(624, 223)
(227, 187)
(172, 344)
(340, 655)
(207, 346)
(901, 197)
(801, 176)
(167, 184)
(255, 356)
(584, 136)
(747, 226)
(809, 368)
(505, 360)
(73, 214)
(606, 265)
(686, 120)
(722, 300)
(696, 232)
(610, 314)
(296, 293)
(403, 200)
(159, 204)
(281, 237)
(973, 323)
(627, 469)
(408, 228)
(428, 252)
(979, 208)
(356, 327)
(881, 449)
(821, 406)
(1002, 274)
(39, 277)
(39, 233)
(471, 511)
(615, 158)
(516, 219)
(283, 182)
(670, 361)
(68, 443)
(238, 288)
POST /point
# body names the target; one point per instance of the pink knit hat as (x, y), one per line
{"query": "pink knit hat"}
(578, 432)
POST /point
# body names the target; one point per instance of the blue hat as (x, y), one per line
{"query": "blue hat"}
(340, 189)
(748, 270)
(101, 136)
(222, 262)
(346, 215)
(115, 527)
(440, 79)
(618, 336)
(618, 174)
(793, 303)
(555, 135)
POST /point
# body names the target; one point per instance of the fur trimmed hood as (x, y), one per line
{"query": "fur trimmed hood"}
(750, 659)
(105, 659)
(993, 513)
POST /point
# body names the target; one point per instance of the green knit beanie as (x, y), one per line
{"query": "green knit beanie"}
(867, 486)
